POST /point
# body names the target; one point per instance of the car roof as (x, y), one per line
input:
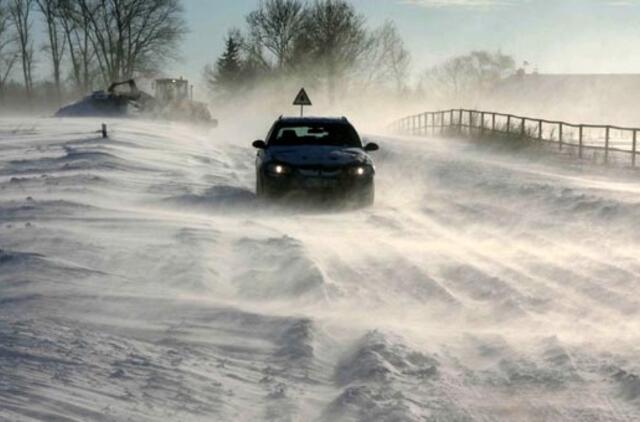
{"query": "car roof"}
(312, 120)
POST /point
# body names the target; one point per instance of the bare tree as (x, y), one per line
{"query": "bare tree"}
(386, 61)
(395, 57)
(461, 79)
(56, 39)
(75, 26)
(20, 11)
(451, 79)
(338, 40)
(276, 25)
(8, 54)
(131, 36)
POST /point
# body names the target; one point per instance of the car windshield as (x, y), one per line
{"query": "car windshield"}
(323, 134)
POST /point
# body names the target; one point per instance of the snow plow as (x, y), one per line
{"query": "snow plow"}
(173, 102)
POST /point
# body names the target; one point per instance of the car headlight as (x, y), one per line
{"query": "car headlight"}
(278, 169)
(360, 171)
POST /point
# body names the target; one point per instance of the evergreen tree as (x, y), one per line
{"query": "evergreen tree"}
(226, 77)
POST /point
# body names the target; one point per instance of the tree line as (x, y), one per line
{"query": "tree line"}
(327, 44)
(323, 43)
(88, 42)
(461, 80)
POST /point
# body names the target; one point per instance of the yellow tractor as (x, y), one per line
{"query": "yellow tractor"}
(174, 101)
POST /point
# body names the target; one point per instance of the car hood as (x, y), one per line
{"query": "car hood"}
(314, 155)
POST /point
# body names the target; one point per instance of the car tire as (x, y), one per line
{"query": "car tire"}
(259, 191)
(262, 190)
(367, 195)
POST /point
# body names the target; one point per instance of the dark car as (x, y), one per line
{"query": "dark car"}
(322, 156)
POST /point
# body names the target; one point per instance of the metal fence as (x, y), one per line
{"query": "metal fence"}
(583, 137)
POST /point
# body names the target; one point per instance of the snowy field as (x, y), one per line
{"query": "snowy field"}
(140, 280)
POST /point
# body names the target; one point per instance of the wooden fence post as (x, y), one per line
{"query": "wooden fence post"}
(540, 130)
(424, 128)
(580, 141)
(509, 123)
(426, 124)
(560, 136)
(433, 124)
(482, 123)
(523, 127)
(493, 122)
(460, 121)
(607, 133)
(634, 148)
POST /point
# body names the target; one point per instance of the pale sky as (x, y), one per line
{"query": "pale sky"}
(556, 36)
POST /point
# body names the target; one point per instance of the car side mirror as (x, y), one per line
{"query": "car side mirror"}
(371, 146)
(259, 144)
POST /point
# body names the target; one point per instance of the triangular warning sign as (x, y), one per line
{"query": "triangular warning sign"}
(302, 99)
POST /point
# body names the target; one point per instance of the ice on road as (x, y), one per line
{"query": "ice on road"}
(141, 280)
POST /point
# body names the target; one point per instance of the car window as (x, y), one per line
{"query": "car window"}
(330, 134)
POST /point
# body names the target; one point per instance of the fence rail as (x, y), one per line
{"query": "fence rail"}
(583, 137)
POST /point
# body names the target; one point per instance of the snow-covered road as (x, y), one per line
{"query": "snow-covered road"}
(141, 280)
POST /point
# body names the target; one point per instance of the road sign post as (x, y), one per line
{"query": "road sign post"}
(302, 99)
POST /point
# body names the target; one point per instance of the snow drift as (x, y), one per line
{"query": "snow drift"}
(141, 280)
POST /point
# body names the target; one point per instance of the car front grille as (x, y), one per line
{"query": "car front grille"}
(320, 172)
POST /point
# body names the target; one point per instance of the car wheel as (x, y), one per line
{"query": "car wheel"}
(262, 190)
(367, 195)
(259, 191)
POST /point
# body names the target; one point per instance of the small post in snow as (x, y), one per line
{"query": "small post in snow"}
(104, 130)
